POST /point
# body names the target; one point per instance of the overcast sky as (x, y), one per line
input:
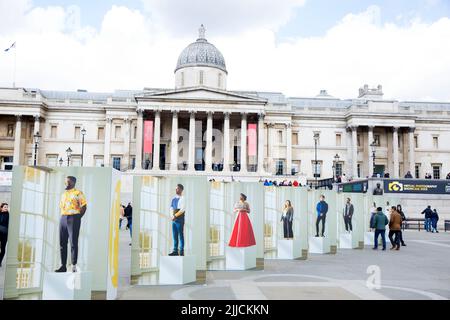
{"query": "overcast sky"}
(297, 47)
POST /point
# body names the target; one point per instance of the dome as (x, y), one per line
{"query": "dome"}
(201, 53)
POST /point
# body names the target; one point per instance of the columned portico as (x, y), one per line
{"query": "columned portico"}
(261, 143)
(174, 142)
(411, 158)
(208, 148)
(156, 140)
(139, 138)
(191, 155)
(354, 130)
(369, 149)
(107, 156)
(244, 143)
(226, 142)
(395, 151)
(17, 141)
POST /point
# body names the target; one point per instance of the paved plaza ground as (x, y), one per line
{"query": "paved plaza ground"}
(418, 271)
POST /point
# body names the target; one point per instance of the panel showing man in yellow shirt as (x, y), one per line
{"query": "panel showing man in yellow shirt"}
(73, 207)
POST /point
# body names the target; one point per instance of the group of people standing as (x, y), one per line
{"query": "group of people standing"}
(431, 219)
(394, 218)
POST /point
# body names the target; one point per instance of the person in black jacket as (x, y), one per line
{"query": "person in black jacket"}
(128, 213)
(4, 221)
(434, 221)
(402, 214)
(428, 213)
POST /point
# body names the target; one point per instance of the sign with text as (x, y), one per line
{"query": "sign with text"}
(417, 186)
(355, 187)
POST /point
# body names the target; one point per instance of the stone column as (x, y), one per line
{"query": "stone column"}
(226, 142)
(208, 149)
(270, 147)
(174, 142)
(126, 143)
(354, 152)
(191, 155)
(288, 149)
(261, 143)
(139, 138)
(17, 141)
(107, 156)
(348, 143)
(244, 143)
(156, 140)
(369, 148)
(411, 154)
(395, 152)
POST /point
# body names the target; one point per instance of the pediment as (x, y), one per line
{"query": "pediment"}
(200, 93)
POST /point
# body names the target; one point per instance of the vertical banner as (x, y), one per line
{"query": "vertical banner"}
(113, 242)
(252, 139)
(148, 136)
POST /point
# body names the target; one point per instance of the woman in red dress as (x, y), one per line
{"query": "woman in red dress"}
(242, 235)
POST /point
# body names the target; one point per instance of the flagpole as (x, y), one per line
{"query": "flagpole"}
(15, 58)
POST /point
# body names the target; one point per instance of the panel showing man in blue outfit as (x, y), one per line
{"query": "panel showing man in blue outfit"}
(177, 209)
(322, 209)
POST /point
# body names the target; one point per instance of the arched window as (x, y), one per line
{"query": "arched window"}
(201, 77)
(219, 80)
(182, 79)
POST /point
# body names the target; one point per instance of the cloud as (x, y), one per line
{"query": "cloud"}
(179, 17)
(132, 51)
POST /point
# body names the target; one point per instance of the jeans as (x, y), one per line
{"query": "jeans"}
(287, 228)
(178, 233)
(434, 224)
(3, 240)
(428, 224)
(383, 238)
(321, 218)
(348, 223)
(394, 241)
(69, 230)
(130, 226)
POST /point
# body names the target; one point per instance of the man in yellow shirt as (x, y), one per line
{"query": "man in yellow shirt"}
(73, 207)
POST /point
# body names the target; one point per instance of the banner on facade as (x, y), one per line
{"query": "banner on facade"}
(417, 186)
(148, 136)
(252, 139)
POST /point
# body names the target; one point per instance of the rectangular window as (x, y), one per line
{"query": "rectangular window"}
(359, 170)
(116, 163)
(182, 79)
(376, 139)
(296, 166)
(101, 133)
(339, 169)
(416, 141)
(98, 161)
(52, 160)
(437, 171)
(295, 138)
(75, 161)
(10, 132)
(435, 142)
(200, 77)
(417, 171)
(338, 139)
(219, 80)
(280, 136)
(118, 132)
(77, 134)
(133, 162)
(358, 138)
(53, 131)
(280, 167)
(134, 132)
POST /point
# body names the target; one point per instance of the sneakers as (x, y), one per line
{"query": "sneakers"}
(316, 235)
(398, 248)
(61, 269)
(175, 253)
(374, 248)
(181, 253)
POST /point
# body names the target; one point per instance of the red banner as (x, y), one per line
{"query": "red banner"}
(252, 139)
(148, 136)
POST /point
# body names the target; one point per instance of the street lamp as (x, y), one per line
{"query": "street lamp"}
(37, 138)
(336, 160)
(316, 140)
(83, 133)
(69, 154)
(373, 145)
(61, 161)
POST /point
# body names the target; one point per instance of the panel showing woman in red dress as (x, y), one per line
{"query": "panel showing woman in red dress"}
(242, 235)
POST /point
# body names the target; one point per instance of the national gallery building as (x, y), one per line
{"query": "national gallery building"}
(201, 128)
